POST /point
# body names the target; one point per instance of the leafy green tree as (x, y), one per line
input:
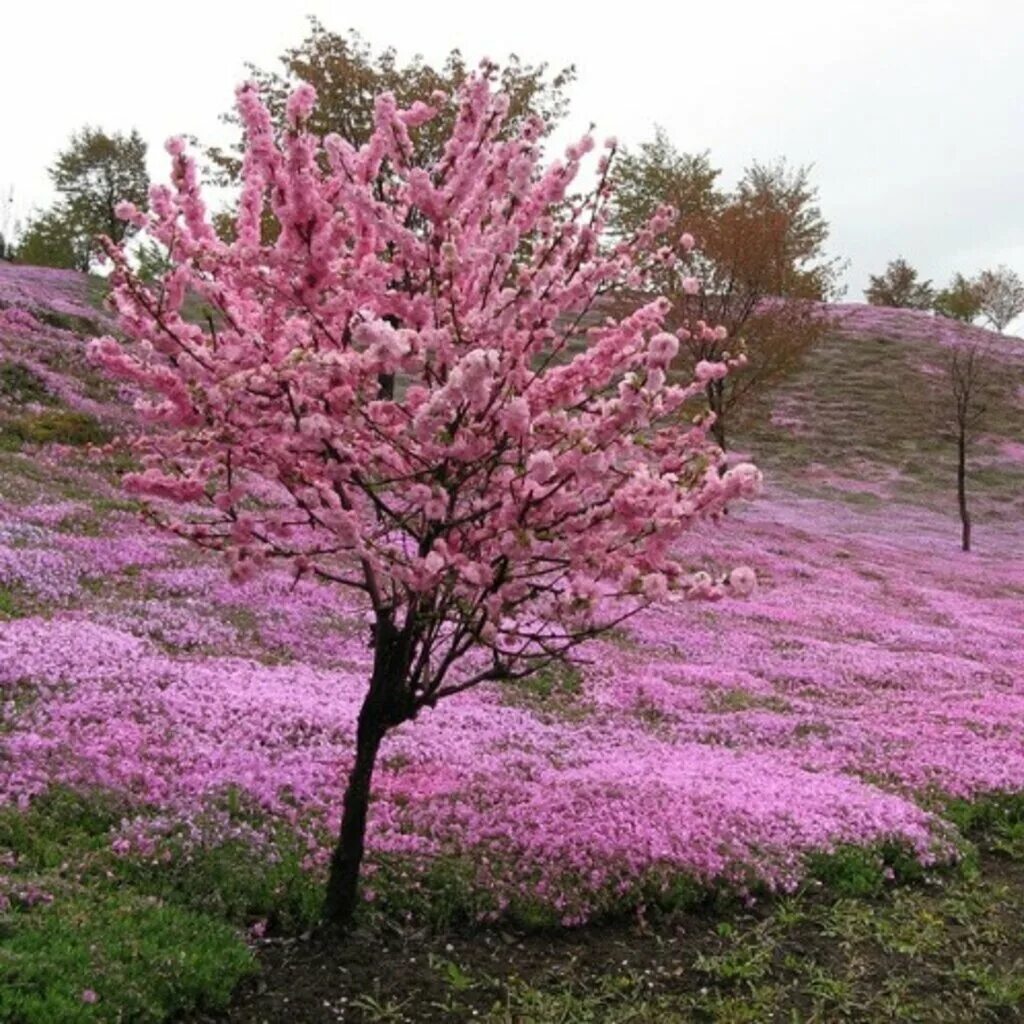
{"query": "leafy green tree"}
(899, 287)
(53, 239)
(758, 269)
(657, 173)
(95, 173)
(960, 300)
(348, 76)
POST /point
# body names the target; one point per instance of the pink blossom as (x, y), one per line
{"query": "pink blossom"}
(706, 371)
(743, 581)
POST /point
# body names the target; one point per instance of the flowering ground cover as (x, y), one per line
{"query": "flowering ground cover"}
(164, 717)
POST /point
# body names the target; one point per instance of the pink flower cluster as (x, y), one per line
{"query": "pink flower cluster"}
(391, 396)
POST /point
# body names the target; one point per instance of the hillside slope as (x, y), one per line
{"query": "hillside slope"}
(875, 669)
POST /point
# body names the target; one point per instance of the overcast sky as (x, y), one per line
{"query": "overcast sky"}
(911, 111)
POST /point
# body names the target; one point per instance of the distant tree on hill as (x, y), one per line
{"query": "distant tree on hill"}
(969, 374)
(960, 300)
(658, 173)
(1001, 296)
(756, 265)
(93, 175)
(899, 287)
(52, 239)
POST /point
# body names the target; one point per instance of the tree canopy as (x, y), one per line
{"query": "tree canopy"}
(899, 287)
(754, 259)
(349, 75)
(93, 175)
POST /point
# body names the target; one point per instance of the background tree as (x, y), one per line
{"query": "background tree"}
(1002, 296)
(969, 376)
(757, 269)
(53, 239)
(960, 300)
(348, 76)
(658, 174)
(899, 287)
(511, 498)
(93, 175)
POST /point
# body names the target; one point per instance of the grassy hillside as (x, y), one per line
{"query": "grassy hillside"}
(805, 805)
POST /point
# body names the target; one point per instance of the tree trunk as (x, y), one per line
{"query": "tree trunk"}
(346, 861)
(388, 703)
(961, 491)
(716, 404)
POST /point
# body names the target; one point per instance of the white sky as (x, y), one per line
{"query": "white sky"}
(910, 111)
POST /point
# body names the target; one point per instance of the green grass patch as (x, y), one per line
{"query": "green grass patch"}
(57, 426)
(864, 871)
(11, 606)
(555, 689)
(19, 384)
(105, 954)
(151, 941)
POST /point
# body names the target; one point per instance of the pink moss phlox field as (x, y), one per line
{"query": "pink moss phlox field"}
(872, 672)
(857, 320)
(41, 309)
(867, 673)
(45, 290)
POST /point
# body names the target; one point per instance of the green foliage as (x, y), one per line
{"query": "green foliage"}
(10, 606)
(558, 680)
(19, 384)
(94, 174)
(348, 74)
(995, 821)
(231, 881)
(53, 239)
(59, 824)
(899, 287)
(658, 173)
(960, 300)
(58, 426)
(141, 960)
(759, 256)
(440, 893)
(146, 953)
(864, 871)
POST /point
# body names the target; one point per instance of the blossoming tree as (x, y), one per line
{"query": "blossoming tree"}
(396, 396)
